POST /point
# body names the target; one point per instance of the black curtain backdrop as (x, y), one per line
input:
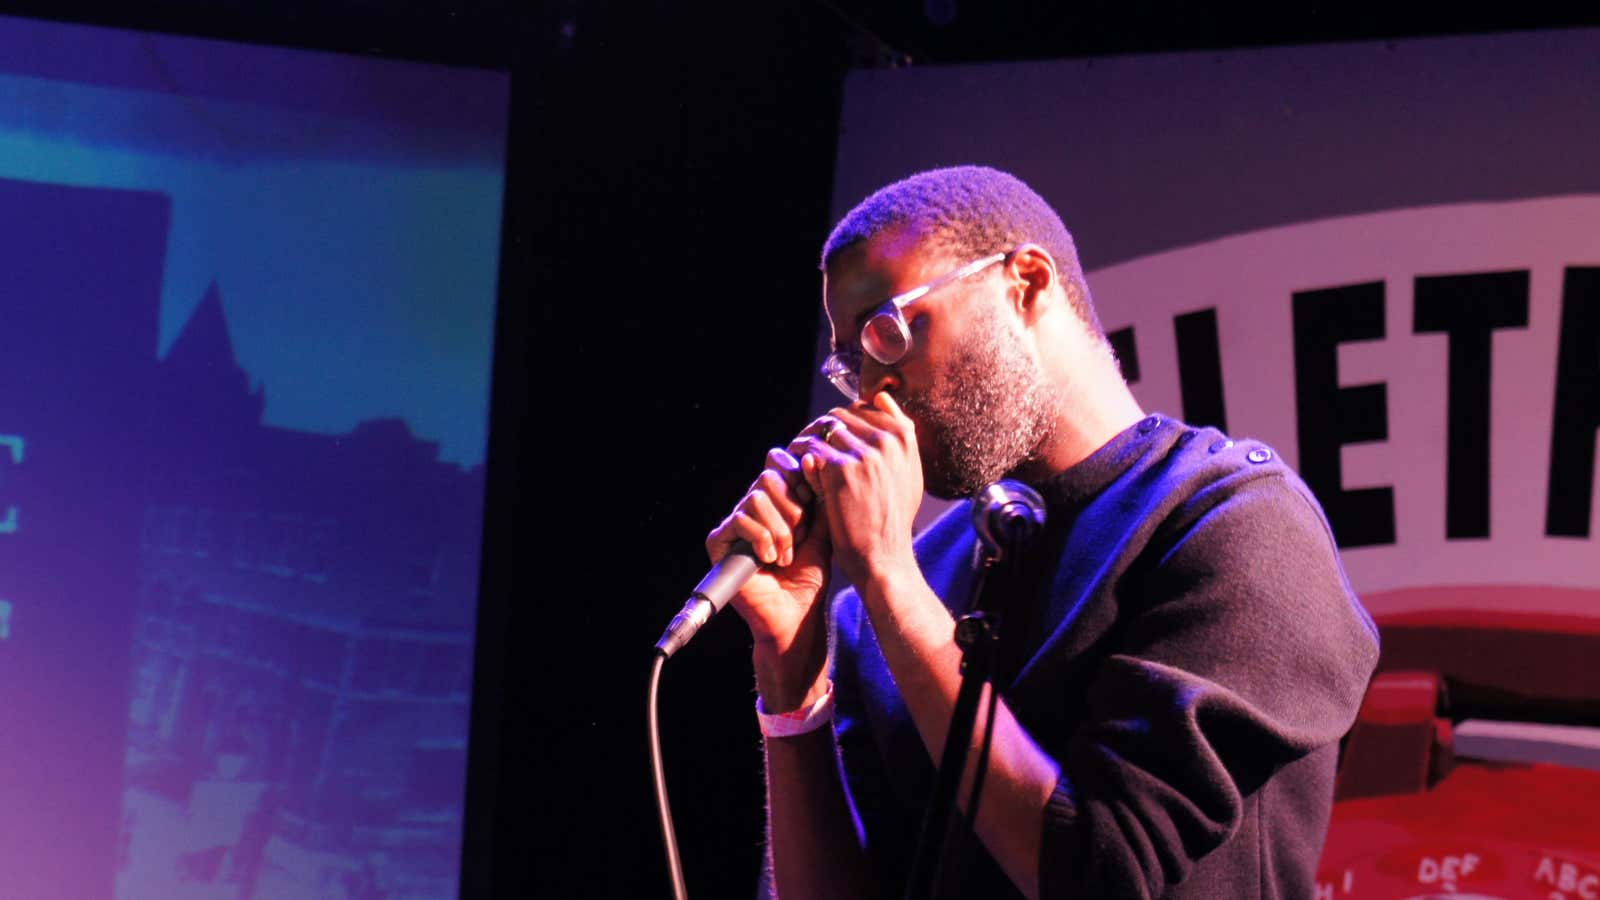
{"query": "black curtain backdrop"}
(676, 214)
(670, 169)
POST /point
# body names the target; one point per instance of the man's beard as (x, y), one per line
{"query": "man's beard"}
(989, 412)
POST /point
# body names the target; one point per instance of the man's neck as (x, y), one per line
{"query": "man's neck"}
(1086, 420)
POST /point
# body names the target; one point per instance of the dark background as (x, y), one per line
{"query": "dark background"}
(671, 167)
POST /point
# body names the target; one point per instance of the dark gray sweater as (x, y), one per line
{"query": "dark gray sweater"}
(1183, 642)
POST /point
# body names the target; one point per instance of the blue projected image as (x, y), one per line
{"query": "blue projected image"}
(246, 316)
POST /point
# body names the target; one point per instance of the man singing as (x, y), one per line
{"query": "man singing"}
(1181, 651)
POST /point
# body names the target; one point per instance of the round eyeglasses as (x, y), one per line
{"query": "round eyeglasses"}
(886, 336)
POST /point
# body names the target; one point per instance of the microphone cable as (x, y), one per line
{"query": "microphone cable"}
(669, 836)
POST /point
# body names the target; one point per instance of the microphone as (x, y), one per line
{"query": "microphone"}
(1007, 514)
(710, 596)
(718, 587)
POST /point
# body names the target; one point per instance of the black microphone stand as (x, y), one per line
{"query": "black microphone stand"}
(1007, 514)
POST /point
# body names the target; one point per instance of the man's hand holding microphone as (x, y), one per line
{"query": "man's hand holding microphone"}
(846, 489)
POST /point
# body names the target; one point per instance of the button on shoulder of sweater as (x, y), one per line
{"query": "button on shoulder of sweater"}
(1149, 424)
(1221, 445)
(1259, 455)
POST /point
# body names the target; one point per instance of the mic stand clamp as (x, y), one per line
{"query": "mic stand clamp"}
(975, 628)
(1007, 514)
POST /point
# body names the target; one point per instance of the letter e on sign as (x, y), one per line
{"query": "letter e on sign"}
(11, 447)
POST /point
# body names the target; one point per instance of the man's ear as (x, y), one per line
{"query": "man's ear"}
(1034, 273)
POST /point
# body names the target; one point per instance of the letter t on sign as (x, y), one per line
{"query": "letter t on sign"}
(8, 514)
(1469, 308)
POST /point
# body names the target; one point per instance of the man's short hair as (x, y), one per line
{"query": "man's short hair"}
(969, 212)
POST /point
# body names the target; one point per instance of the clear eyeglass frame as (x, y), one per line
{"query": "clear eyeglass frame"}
(885, 335)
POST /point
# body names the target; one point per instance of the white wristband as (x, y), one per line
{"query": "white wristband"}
(799, 721)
